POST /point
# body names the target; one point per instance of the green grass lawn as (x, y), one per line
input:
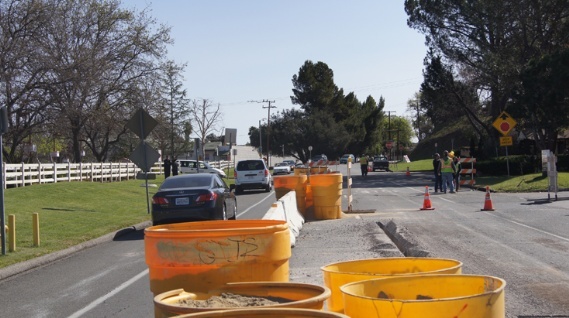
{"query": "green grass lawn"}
(71, 213)
(527, 183)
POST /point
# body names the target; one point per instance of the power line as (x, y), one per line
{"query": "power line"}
(268, 124)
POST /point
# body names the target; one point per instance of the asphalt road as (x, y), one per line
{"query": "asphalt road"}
(524, 241)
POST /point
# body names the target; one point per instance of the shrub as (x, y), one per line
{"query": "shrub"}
(519, 165)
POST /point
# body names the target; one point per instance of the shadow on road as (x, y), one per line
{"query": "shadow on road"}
(129, 234)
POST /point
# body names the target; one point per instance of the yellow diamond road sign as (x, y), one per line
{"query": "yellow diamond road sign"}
(504, 123)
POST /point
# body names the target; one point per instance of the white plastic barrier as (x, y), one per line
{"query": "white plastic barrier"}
(285, 209)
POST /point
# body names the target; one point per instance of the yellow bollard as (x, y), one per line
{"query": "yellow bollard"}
(36, 225)
(12, 233)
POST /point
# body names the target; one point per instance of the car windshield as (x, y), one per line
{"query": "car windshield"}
(282, 164)
(379, 158)
(188, 181)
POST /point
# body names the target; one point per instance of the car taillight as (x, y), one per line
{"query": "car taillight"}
(266, 172)
(211, 196)
(159, 200)
(234, 174)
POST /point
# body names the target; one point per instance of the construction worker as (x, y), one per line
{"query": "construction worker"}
(447, 171)
(363, 164)
(458, 167)
(437, 171)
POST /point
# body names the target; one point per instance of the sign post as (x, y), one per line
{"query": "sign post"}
(504, 124)
(3, 129)
(144, 156)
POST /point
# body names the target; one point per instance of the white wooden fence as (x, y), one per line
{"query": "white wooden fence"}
(25, 174)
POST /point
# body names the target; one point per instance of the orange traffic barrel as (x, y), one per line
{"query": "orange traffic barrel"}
(201, 256)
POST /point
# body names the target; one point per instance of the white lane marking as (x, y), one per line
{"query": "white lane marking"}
(103, 298)
(530, 227)
(254, 205)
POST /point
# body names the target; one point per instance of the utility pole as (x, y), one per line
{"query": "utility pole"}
(268, 125)
(418, 122)
(260, 141)
(389, 129)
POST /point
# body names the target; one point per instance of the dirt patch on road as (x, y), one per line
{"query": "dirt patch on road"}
(227, 300)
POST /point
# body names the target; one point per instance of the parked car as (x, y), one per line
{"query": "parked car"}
(193, 197)
(281, 168)
(252, 174)
(380, 163)
(346, 157)
(191, 166)
(291, 163)
(321, 157)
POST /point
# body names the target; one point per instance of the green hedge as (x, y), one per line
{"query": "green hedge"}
(519, 165)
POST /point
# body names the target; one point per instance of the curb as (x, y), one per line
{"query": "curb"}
(403, 240)
(25, 266)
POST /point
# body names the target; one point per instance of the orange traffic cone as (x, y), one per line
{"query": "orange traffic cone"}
(487, 201)
(427, 201)
(408, 172)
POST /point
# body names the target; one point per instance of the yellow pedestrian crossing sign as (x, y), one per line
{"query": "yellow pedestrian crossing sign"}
(504, 123)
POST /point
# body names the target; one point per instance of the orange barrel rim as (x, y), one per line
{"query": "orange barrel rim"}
(267, 313)
(426, 296)
(301, 295)
(340, 273)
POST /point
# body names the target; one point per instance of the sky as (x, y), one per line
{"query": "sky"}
(241, 52)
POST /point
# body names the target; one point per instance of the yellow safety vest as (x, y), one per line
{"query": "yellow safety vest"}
(363, 160)
(446, 165)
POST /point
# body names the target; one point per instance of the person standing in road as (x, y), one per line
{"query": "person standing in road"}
(437, 171)
(447, 171)
(363, 164)
(174, 167)
(457, 167)
(167, 167)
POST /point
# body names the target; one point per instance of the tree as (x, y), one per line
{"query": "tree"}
(544, 95)
(420, 122)
(314, 87)
(98, 51)
(206, 118)
(23, 69)
(372, 117)
(356, 124)
(445, 99)
(173, 110)
(490, 42)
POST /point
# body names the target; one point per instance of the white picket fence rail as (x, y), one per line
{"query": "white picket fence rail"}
(25, 174)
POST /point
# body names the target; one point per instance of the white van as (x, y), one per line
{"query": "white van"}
(191, 166)
(252, 174)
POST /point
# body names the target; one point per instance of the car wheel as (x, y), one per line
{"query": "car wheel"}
(234, 217)
(238, 190)
(268, 188)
